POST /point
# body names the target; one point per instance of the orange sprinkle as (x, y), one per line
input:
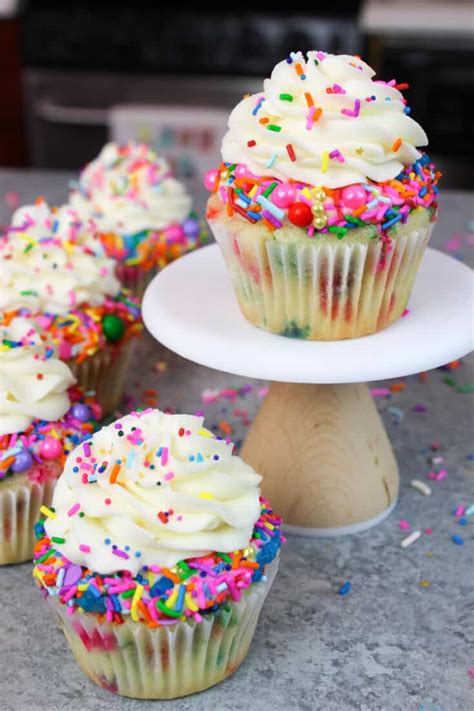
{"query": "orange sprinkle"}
(309, 98)
(397, 387)
(249, 564)
(299, 69)
(6, 462)
(114, 473)
(170, 575)
(317, 114)
(423, 376)
(263, 120)
(39, 200)
(397, 145)
(225, 427)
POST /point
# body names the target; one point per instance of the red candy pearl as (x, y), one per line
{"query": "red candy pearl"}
(300, 214)
(284, 195)
(51, 448)
(354, 196)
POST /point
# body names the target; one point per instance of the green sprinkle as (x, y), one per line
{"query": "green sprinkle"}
(468, 388)
(184, 566)
(353, 220)
(286, 97)
(225, 557)
(81, 514)
(166, 610)
(449, 381)
(28, 248)
(128, 593)
(43, 557)
(56, 539)
(28, 292)
(273, 127)
(270, 189)
(340, 231)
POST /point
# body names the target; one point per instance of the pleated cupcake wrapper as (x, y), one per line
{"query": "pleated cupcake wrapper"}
(326, 289)
(20, 501)
(135, 278)
(104, 373)
(135, 660)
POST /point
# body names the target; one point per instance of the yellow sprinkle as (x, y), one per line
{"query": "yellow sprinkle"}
(206, 495)
(425, 583)
(205, 433)
(47, 512)
(83, 586)
(190, 602)
(324, 161)
(306, 193)
(172, 598)
(135, 600)
(269, 525)
(252, 192)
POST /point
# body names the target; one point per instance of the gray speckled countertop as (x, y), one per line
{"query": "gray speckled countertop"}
(390, 644)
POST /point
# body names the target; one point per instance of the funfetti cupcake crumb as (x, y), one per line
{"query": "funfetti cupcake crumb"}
(323, 203)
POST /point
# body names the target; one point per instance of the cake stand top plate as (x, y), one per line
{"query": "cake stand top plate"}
(191, 309)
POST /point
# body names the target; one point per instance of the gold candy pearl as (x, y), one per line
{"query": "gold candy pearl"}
(224, 175)
(320, 222)
(319, 195)
(317, 209)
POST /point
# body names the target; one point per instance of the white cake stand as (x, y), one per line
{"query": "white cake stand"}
(318, 440)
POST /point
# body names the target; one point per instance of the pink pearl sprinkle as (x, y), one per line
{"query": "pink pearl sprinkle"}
(459, 511)
(429, 531)
(471, 672)
(84, 548)
(441, 474)
(404, 525)
(168, 476)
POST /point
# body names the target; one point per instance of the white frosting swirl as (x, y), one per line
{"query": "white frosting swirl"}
(49, 262)
(129, 189)
(175, 466)
(367, 141)
(33, 384)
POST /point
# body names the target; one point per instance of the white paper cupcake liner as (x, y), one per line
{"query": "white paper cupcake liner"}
(20, 501)
(104, 373)
(135, 660)
(324, 288)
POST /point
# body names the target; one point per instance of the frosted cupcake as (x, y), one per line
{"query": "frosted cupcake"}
(43, 416)
(53, 269)
(323, 205)
(156, 556)
(142, 212)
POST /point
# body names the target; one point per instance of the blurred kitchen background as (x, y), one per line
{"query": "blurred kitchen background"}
(74, 74)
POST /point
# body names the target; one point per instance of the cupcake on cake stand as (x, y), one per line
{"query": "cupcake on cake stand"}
(318, 440)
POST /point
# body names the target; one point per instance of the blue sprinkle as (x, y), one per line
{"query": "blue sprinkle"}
(457, 540)
(462, 521)
(344, 589)
(391, 222)
(407, 110)
(255, 215)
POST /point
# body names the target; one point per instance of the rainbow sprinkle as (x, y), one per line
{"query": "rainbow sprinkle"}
(159, 596)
